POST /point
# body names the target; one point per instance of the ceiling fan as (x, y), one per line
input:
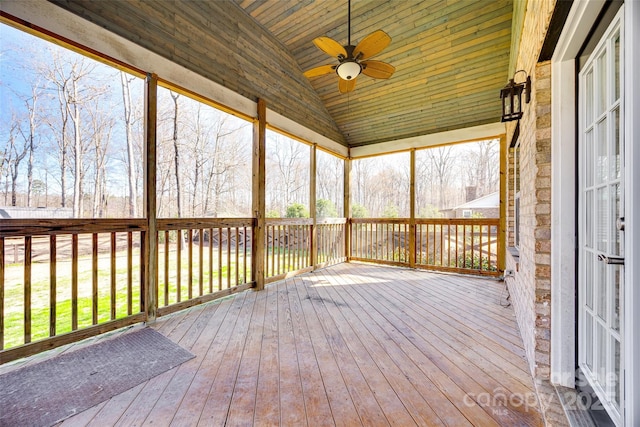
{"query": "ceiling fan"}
(353, 60)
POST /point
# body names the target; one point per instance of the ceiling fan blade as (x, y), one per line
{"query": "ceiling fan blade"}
(330, 46)
(320, 71)
(377, 69)
(371, 45)
(346, 85)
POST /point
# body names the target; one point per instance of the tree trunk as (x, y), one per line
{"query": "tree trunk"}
(176, 157)
(77, 148)
(32, 132)
(133, 193)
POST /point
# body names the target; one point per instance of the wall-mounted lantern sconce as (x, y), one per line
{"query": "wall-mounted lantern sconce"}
(511, 96)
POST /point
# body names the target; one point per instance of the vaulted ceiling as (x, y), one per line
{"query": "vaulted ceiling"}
(451, 56)
(451, 60)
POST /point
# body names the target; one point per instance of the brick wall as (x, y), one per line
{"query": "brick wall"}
(530, 287)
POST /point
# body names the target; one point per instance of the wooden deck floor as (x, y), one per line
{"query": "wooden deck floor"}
(348, 345)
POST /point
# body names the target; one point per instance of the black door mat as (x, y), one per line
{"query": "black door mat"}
(47, 392)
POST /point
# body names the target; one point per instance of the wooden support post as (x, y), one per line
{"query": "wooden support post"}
(258, 195)
(150, 250)
(502, 232)
(412, 209)
(347, 208)
(312, 207)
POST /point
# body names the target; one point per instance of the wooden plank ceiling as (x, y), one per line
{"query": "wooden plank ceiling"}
(451, 59)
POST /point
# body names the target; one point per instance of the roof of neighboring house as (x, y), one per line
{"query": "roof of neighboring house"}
(485, 202)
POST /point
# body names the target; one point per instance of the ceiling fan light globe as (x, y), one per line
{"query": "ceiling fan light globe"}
(349, 70)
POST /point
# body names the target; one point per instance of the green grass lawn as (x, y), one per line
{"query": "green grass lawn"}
(41, 295)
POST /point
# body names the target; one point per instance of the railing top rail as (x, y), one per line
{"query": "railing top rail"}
(198, 223)
(288, 221)
(452, 221)
(379, 220)
(328, 221)
(45, 227)
(459, 221)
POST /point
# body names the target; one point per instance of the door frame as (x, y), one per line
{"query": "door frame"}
(581, 18)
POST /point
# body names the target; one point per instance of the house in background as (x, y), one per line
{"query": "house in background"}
(483, 207)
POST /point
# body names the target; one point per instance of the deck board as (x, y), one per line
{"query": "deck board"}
(351, 344)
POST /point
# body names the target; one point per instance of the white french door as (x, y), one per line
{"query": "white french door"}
(601, 222)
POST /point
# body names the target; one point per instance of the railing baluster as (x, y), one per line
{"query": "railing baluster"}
(190, 262)
(296, 254)
(94, 279)
(166, 267)
(272, 230)
(473, 244)
(27, 289)
(457, 245)
(244, 249)
(219, 258)
(53, 297)
(237, 269)
(179, 265)
(464, 247)
(200, 262)
(74, 282)
(210, 260)
(480, 248)
(113, 276)
(279, 246)
(130, 272)
(228, 257)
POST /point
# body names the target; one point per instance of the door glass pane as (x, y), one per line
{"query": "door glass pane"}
(588, 340)
(615, 233)
(602, 165)
(600, 289)
(615, 158)
(588, 99)
(602, 218)
(602, 84)
(615, 321)
(601, 353)
(616, 50)
(616, 371)
(588, 158)
(588, 278)
(588, 213)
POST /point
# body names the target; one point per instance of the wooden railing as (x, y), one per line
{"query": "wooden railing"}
(458, 245)
(455, 245)
(381, 240)
(201, 259)
(64, 280)
(69, 279)
(330, 241)
(287, 246)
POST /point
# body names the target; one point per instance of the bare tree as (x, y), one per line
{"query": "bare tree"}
(442, 161)
(289, 159)
(128, 125)
(101, 126)
(12, 157)
(482, 166)
(67, 74)
(330, 178)
(29, 136)
(176, 151)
